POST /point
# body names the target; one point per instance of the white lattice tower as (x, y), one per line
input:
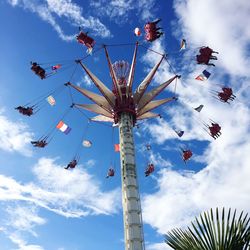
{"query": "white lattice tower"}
(133, 226)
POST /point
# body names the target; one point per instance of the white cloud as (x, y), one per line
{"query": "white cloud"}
(20, 220)
(160, 131)
(51, 10)
(158, 160)
(90, 163)
(181, 196)
(24, 218)
(119, 11)
(13, 2)
(86, 81)
(77, 188)
(14, 136)
(158, 246)
(224, 180)
(148, 9)
(22, 244)
(68, 193)
(114, 8)
(211, 23)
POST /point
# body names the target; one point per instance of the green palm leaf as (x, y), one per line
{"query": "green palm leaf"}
(210, 231)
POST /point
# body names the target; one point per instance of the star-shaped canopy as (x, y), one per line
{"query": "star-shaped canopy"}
(110, 104)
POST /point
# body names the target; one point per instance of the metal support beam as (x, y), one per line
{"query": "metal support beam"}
(113, 75)
(133, 227)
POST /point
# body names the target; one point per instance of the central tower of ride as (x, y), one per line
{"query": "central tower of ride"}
(133, 230)
(124, 107)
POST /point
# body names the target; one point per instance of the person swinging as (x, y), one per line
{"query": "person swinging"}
(149, 170)
(215, 130)
(40, 143)
(186, 155)
(111, 173)
(28, 111)
(71, 164)
(206, 55)
(38, 70)
(152, 31)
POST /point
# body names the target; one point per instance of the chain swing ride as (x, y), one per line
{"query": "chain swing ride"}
(122, 107)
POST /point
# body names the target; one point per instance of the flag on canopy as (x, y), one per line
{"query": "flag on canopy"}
(55, 67)
(117, 147)
(198, 109)
(183, 44)
(204, 76)
(63, 127)
(51, 100)
(179, 133)
(87, 143)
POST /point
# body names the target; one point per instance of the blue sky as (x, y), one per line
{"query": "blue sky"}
(44, 207)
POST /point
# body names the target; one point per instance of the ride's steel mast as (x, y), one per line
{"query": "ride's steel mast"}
(123, 107)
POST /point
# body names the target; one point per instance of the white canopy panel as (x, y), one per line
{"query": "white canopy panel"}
(101, 86)
(144, 84)
(146, 98)
(95, 108)
(102, 118)
(147, 115)
(153, 104)
(98, 99)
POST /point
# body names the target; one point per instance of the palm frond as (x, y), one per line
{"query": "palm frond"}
(210, 231)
